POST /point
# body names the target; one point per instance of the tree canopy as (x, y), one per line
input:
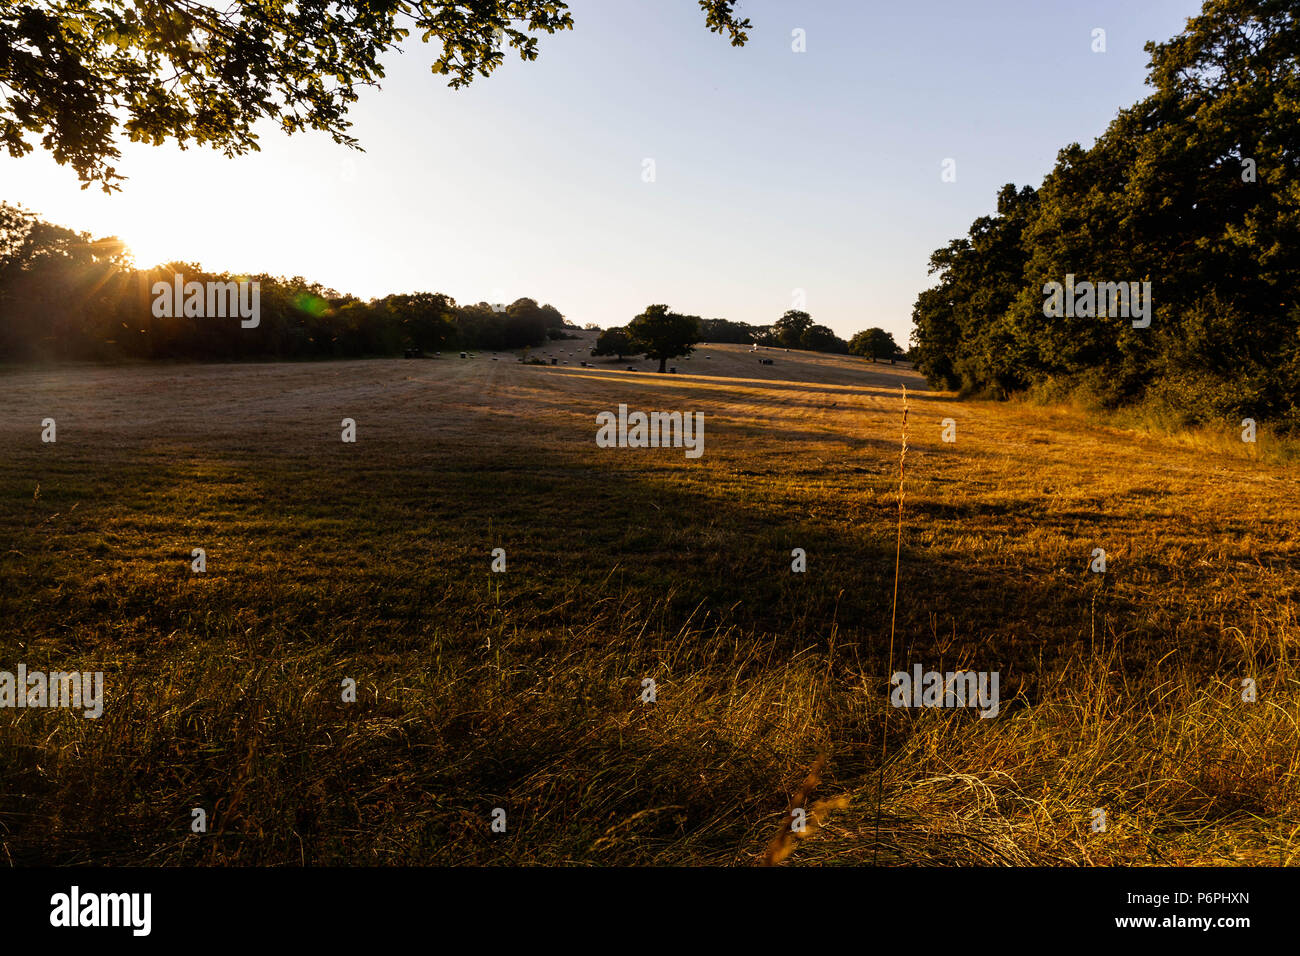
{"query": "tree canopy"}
(614, 342)
(1196, 190)
(663, 334)
(76, 74)
(874, 343)
(789, 329)
(821, 338)
(64, 295)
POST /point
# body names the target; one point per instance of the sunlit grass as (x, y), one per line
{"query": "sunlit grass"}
(523, 690)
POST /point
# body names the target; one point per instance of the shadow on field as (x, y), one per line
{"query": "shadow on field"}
(474, 689)
(733, 384)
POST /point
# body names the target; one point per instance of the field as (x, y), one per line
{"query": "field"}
(523, 690)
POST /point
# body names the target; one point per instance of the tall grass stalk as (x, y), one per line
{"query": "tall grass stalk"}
(893, 618)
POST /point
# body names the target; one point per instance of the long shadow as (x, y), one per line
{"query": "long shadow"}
(728, 383)
(383, 555)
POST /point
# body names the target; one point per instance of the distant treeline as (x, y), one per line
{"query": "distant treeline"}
(1196, 191)
(794, 330)
(66, 296)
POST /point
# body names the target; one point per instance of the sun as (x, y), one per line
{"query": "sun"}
(152, 239)
(148, 250)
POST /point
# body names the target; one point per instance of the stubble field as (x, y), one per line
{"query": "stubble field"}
(523, 690)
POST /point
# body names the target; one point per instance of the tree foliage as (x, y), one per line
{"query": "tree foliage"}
(1196, 189)
(64, 295)
(821, 338)
(662, 334)
(874, 343)
(78, 73)
(789, 329)
(725, 330)
(616, 342)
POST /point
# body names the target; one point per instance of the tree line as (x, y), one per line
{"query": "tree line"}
(1195, 190)
(794, 330)
(67, 296)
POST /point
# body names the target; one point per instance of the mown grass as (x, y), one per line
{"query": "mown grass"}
(523, 690)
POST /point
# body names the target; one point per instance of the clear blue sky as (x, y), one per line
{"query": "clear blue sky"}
(775, 170)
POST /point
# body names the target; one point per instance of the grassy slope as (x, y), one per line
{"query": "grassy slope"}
(521, 690)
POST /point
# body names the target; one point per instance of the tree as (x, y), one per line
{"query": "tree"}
(724, 330)
(963, 337)
(75, 73)
(789, 329)
(615, 342)
(821, 338)
(1192, 190)
(662, 334)
(57, 287)
(553, 317)
(526, 323)
(67, 296)
(425, 320)
(874, 343)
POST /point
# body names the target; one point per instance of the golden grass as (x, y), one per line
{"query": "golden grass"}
(523, 690)
(802, 819)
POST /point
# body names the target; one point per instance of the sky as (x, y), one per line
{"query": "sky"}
(781, 179)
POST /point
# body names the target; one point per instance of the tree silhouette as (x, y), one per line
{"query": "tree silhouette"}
(821, 338)
(789, 329)
(615, 342)
(874, 343)
(1192, 190)
(65, 295)
(75, 73)
(662, 334)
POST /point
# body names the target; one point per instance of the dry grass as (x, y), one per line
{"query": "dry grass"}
(803, 818)
(523, 690)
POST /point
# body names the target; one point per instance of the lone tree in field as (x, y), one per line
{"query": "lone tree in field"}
(874, 344)
(662, 334)
(614, 342)
(74, 73)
